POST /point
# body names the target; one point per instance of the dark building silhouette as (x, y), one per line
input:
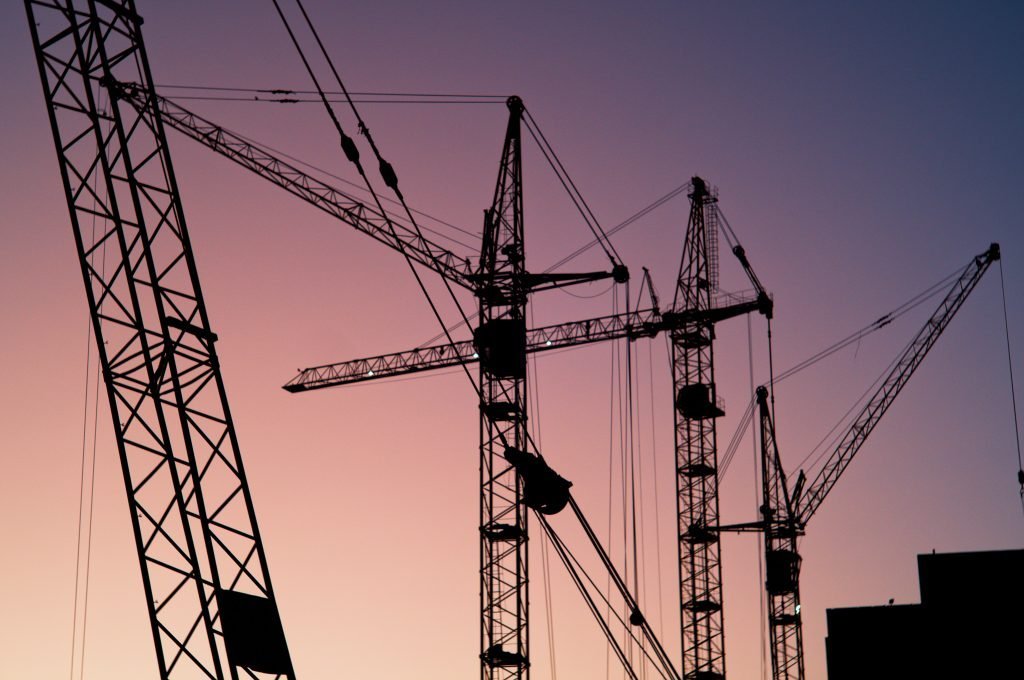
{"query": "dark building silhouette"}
(970, 624)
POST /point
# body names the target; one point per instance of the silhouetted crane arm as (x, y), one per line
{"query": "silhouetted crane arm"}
(330, 199)
(639, 324)
(644, 323)
(806, 503)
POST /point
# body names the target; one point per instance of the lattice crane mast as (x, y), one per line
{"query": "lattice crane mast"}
(786, 512)
(212, 609)
(691, 327)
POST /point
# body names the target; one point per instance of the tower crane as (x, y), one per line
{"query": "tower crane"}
(785, 511)
(690, 324)
(502, 286)
(211, 605)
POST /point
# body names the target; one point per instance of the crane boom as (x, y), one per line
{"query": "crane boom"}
(330, 199)
(632, 325)
(807, 503)
(646, 322)
(208, 593)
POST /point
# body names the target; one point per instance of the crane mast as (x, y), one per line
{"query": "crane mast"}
(696, 410)
(782, 573)
(786, 513)
(212, 609)
(500, 340)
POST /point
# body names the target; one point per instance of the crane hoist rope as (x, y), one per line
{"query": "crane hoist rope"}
(1013, 391)
(386, 170)
(574, 193)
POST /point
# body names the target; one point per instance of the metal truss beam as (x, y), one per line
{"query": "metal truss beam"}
(331, 200)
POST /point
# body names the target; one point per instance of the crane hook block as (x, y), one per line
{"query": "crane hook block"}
(349, 147)
(620, 273)
(544, 490)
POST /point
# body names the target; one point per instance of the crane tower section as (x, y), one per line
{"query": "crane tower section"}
(500, 342)
(211, 606)
(696, 410)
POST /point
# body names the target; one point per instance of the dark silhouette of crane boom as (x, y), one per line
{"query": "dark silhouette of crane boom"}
(211, 605)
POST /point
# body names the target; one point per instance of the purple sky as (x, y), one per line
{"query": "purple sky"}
(862, 152)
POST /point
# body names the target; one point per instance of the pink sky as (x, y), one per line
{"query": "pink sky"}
(861, 154)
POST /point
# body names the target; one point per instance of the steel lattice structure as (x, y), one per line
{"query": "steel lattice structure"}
(336, 202)
(502, 285)
(689, 321)
(697, 408)
(782, 582)
(501, 344)
(786, 512)
(644, 323)
(208, 592)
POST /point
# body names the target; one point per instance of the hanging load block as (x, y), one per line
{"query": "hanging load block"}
(544, 490)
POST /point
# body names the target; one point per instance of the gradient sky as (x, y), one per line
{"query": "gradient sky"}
(862, 152)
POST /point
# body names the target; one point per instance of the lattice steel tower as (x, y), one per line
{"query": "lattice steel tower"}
(500, 340)
(696, 409)
(211, 605)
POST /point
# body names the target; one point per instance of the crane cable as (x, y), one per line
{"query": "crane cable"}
(499, 98)
(84, 520)
(570, 187)
(757, 504)
(534, 406)
(1013, 392)
(390, 179)
(387, 172)
(654, 483)
(817, 453)
(272, 151)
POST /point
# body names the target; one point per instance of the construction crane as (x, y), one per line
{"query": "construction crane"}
(502, 286)
(690, 324)
(785, 511)
(208, 592)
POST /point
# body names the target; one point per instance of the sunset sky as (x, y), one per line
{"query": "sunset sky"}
(862, 151)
